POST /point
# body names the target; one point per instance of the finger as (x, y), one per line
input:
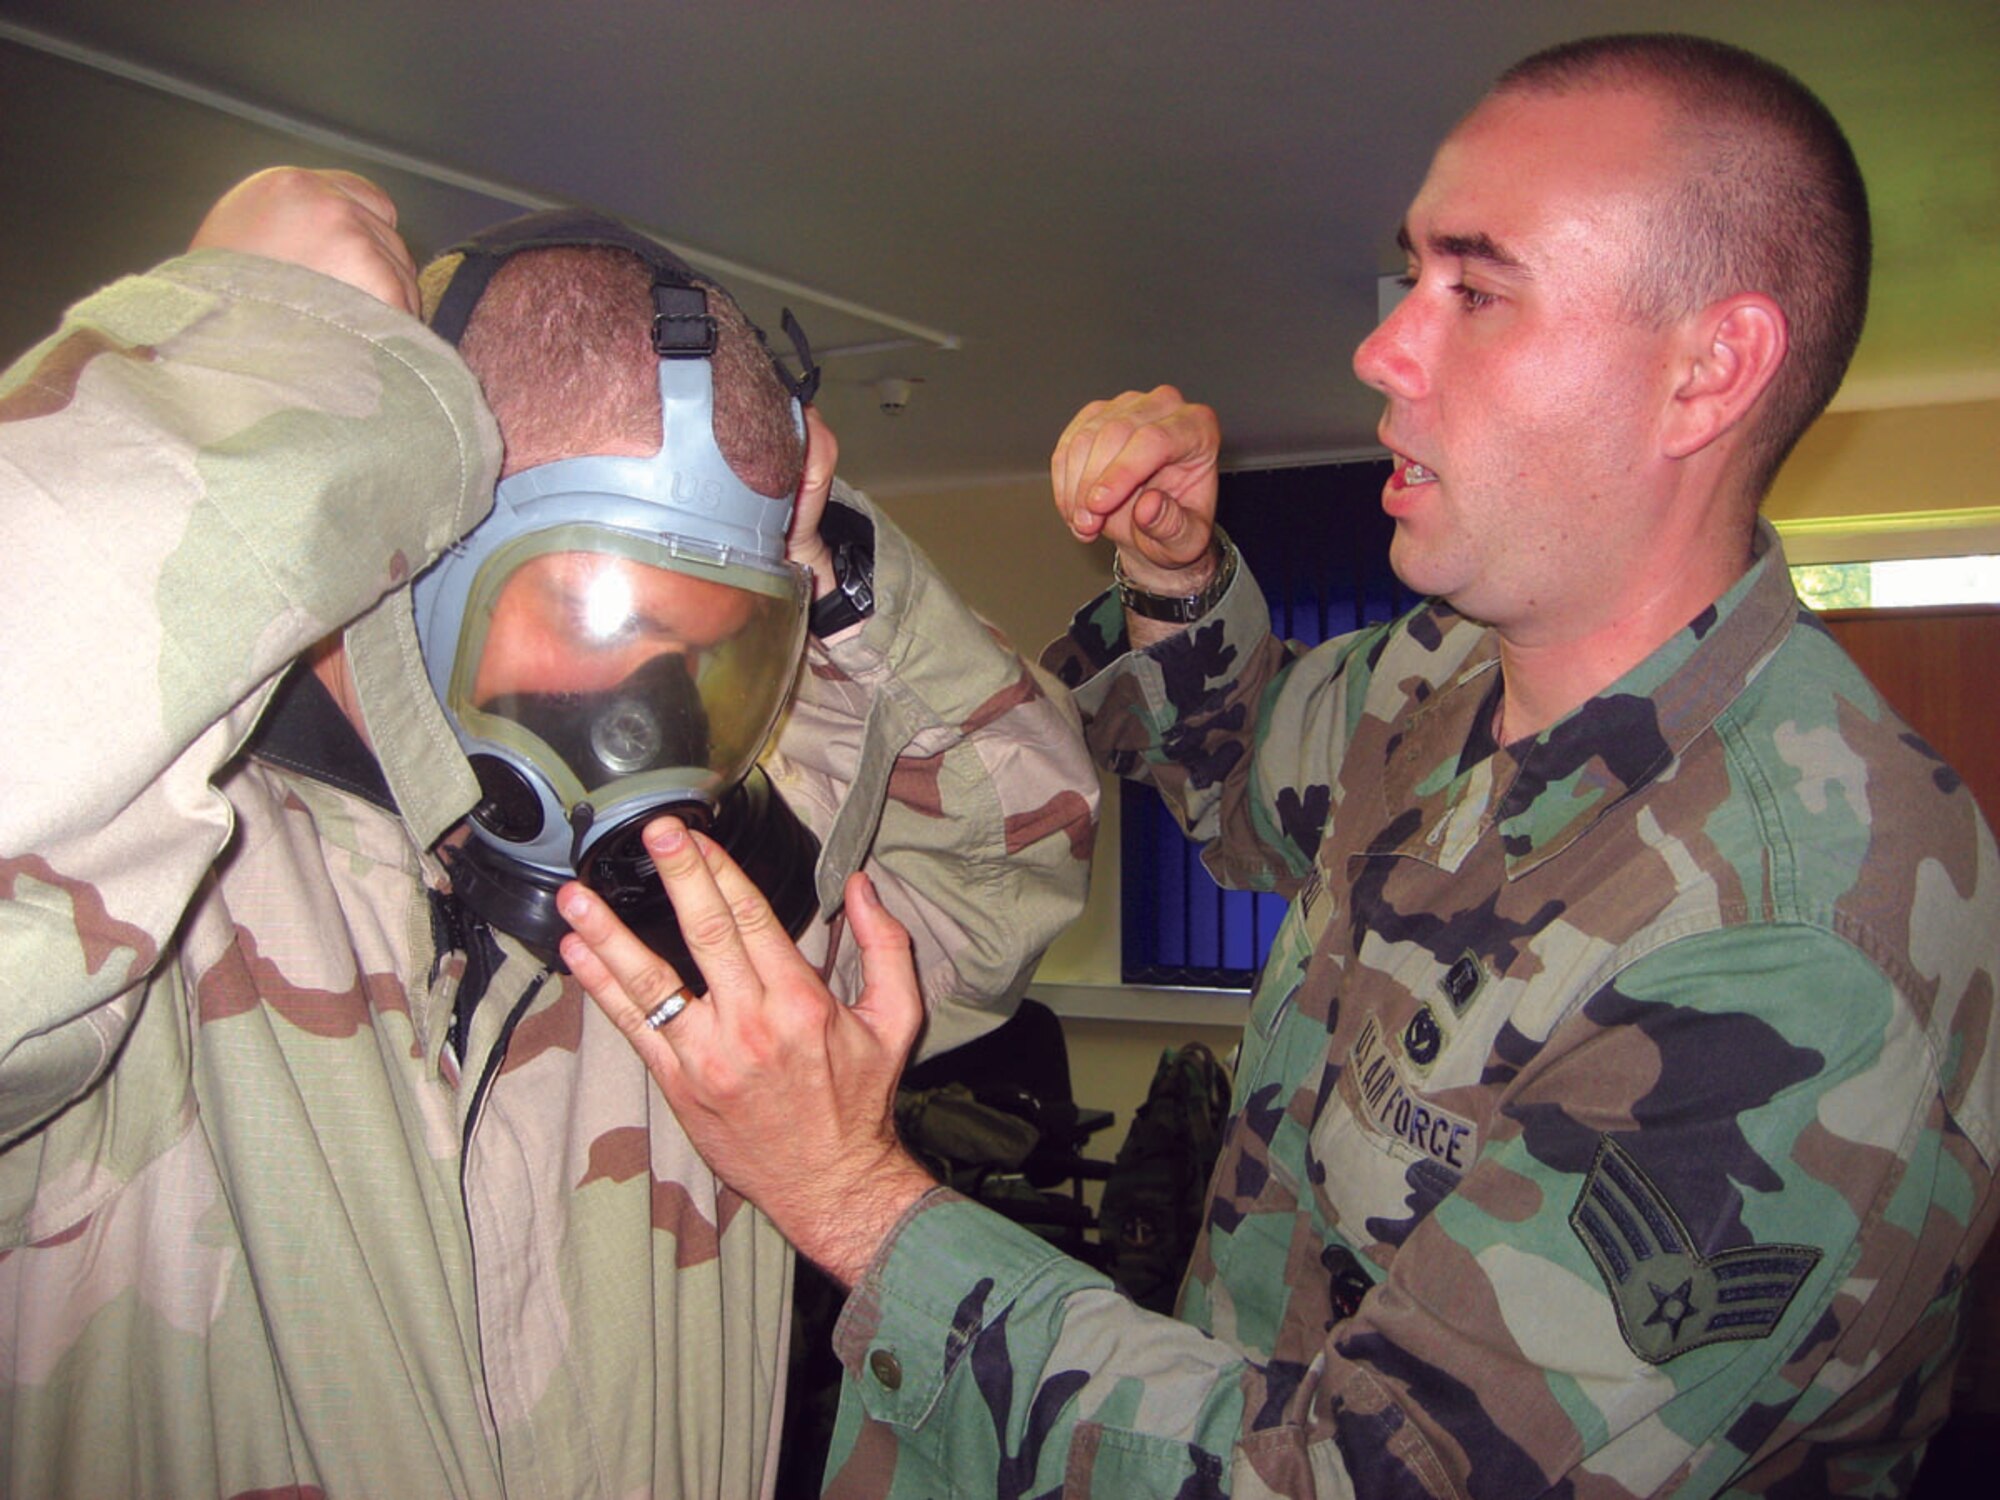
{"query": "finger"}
(1110, 457)
(1162, 440)
(625, 976)
(708, 921)
(805, 546)
(1064, 471)
(1168, 532)
(363, 192)
(395, 281)
(413, 297)
(654, 1045)
(1114, 452)
(822, 455)
(765, 942)
(380, 261)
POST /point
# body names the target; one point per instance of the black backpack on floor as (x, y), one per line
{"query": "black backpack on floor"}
(1156, 1195)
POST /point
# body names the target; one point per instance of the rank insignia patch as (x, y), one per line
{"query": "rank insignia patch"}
(1669, 1297)
(1461, 982)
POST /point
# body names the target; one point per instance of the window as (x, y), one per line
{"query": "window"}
(1904, 583)
(1318, 543)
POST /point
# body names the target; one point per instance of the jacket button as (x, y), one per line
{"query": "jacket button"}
(886, 1368)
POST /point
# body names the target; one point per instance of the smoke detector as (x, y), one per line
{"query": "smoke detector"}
(892, 394)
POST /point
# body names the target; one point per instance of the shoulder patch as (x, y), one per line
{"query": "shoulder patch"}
(1669, 1297)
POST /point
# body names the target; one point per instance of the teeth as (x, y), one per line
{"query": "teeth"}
(1416, 473)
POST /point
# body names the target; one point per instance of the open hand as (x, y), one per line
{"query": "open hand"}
(787, 1093)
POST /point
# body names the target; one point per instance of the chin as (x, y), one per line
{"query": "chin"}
(1419, 573)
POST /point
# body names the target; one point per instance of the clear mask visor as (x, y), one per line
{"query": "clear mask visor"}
(625, 668)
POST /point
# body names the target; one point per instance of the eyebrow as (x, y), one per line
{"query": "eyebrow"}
(1479, 247)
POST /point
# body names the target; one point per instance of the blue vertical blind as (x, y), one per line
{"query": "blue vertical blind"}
(1318, 542)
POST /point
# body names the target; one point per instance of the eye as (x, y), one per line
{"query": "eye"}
(1471, 297)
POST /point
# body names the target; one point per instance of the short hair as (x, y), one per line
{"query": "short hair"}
(561, 341)
(1770, 200)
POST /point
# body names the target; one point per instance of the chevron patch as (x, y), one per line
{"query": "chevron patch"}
(1670, 1298)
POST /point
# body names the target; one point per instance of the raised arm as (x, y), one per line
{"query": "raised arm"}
(205, 470)
(1139, 471)
(922, 747)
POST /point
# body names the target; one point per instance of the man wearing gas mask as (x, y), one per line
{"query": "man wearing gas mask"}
(317, 1172)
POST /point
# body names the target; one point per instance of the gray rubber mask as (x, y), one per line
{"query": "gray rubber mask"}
(616, 640)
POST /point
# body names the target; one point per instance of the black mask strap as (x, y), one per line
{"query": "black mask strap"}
(806, 384)
(682, 325)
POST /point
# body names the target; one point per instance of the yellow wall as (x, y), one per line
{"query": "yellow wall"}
(1913, 481)
(1009, 554)
(1111, 1064)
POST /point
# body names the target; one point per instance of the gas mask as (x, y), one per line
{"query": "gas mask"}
(617, 639)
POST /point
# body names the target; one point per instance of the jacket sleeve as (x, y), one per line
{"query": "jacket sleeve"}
(202, 472)
(1529, 1334)
(924, 745)
(1239, 732)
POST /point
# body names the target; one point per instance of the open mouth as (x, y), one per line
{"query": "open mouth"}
(1409, 473)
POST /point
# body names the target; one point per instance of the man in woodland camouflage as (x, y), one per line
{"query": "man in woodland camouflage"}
(312, 1181)
(1616, 1114)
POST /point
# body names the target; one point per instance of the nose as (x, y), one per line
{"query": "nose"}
(1387, 359)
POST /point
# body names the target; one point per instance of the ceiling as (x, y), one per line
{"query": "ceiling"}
(1014, 206)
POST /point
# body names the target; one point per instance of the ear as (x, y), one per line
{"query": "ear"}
(1732, 354)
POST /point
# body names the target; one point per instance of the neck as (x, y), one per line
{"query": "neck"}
(1550, 672)
(328, 661)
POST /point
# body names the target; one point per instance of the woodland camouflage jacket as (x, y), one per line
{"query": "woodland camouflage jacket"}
(1616, 1114)
(262, 1230)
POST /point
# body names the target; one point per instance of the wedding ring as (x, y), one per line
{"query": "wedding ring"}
(668, 1008)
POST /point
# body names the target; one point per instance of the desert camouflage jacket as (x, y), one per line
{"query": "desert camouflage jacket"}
(263, 1229)
(1616, 1114)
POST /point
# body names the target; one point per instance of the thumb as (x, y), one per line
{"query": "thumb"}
(1168, 532)
(891, 1003)
(822, 455)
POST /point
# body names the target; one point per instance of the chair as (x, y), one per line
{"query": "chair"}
(1019, 1072)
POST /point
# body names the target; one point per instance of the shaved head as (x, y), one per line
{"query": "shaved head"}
(561, 341)
(1765, 197)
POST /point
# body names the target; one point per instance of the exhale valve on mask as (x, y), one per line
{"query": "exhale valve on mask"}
(616, 640)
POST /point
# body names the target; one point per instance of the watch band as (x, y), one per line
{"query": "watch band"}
(850, 538)
(1178, 609)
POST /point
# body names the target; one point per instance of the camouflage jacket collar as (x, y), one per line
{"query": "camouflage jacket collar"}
(1543, 794)
(303, 730)
(428, 775)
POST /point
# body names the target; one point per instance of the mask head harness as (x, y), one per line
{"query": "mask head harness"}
(617, 638)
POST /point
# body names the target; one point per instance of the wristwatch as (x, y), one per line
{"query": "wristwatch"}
(1178, 609)
(850, 538)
